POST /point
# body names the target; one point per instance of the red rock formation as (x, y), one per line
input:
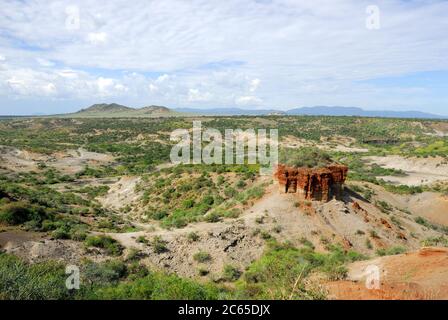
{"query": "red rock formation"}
(312, 184)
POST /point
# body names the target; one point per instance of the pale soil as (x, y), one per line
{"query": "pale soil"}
(420, 171)
(338, 143)
(440, 128)
(430, 205)
(69, 162)
(121, 193)
(74, 161)
(418, 275)
(35, 247)
(19, 160)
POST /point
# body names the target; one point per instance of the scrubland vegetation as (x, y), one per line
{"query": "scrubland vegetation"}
(66, 205)
(281, 273)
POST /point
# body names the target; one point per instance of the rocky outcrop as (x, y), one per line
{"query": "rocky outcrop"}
(322, 184)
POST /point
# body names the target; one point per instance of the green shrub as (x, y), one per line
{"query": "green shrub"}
(306, 242)
(369, 244)
(202, 256)
(40, 281)
(159, 245)
(231, 273)
(110, 245)
(103, 273)
(159, 286)
(192, 236)
(142, 239)
(282, 270)
(15, 213)
(60, 234)
(309, 157)
(240, 184)
(441, 241)
(390, 251)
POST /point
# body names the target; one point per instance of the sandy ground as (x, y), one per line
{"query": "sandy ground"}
(338, 143)
(19, 160)
(420, 171)
(74, 161)
(121, 193)
(69, 162)
(417, 275)
(430, 205)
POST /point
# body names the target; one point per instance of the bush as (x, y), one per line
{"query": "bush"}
(202, 256)
(110, 245)
(435, 242)
(158, 286)
(309, 157)
(159, 245)
(158, 215)
(193, 237)
(40, 281)
(390, 251)
(60, 234)
(240, 184)
(282, 270)
(231, 273)
(105, 273)
(142, 239)
(15, 213)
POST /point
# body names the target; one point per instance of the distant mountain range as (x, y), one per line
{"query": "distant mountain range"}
(352, 111)
(117, 110)
(316, 111)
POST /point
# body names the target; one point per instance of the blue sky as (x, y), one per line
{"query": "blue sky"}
(60, 56)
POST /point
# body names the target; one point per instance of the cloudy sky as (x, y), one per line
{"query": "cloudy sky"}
(60, 56)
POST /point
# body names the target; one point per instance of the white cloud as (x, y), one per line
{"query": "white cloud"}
(104, 84)
(97, 38)
(120, 88)
(248, 101)
(254, 84)
(45, 63)
(194, 95)
(162, 78)
(49, 89)
(153, 88)
(291, 53)
(67, 73)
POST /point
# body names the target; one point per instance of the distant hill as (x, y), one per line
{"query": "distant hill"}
(105, 108)
(114, 110)
(154, 110)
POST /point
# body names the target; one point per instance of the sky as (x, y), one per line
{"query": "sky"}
(61, 56)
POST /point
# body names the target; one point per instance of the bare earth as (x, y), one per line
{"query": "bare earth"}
(418, 275)
(420, 171)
